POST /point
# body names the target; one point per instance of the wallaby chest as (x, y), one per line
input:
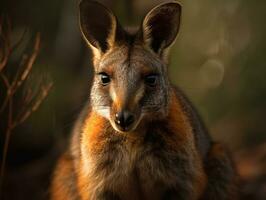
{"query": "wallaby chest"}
(133, 168)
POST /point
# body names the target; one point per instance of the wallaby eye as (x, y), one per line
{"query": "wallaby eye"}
(105, 78)
(151, 79)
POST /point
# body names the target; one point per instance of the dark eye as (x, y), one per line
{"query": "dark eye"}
(105, 78)
(151, 79)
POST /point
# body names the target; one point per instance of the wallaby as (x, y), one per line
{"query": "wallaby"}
(139, 137)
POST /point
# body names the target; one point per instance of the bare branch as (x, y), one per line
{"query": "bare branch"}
(5, 80)
(30, 101)
(17, 83)
(5, 38)
(6, 143)
(18, 80)
(8, 92)
(43, 94)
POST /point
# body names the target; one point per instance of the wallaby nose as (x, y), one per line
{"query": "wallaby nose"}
(124, 119)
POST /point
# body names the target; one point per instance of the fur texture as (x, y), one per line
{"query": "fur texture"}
(166, 153)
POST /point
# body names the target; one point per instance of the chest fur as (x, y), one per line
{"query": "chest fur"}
(135, 168)
(140, 167)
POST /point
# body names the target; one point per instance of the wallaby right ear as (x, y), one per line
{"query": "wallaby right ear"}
(98, 25)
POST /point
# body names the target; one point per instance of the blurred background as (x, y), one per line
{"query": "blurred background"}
(218, 60)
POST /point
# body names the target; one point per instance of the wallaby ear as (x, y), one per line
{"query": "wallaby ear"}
(161, 25)
(98, 25)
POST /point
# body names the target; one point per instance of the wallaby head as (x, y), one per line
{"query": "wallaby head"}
(131, 83)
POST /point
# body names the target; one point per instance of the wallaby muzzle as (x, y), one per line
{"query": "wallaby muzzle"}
(124, 120)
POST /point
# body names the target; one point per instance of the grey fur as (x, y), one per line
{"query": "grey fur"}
(154, 159)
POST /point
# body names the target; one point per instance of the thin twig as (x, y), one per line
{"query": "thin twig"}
(8, 92)
(6, 44)
(18, 80)
(30, 101)
(22, 64)
(6, 143)
(27, 102)
(5, 80)
(7, 49)
(35, 106)
(28, 96)
(5, 55)
(17, 83)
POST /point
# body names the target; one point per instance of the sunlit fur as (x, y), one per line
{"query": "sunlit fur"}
(167, 153)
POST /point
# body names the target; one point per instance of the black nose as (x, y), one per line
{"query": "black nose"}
(124, 119)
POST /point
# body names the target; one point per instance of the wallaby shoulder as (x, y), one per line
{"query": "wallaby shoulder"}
(200, 132)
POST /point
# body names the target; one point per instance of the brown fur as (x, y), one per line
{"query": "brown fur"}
(63, 184)
(168, 153)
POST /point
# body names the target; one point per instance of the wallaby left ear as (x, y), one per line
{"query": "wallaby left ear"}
(161, 25)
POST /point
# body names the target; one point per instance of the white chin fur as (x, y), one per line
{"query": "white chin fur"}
(104, 112)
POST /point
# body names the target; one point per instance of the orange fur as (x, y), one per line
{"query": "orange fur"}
(178, 122)
(64, 168)
(165, 152)
(92, 133)
(83, 184)
(92, 144)
(184, 138)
